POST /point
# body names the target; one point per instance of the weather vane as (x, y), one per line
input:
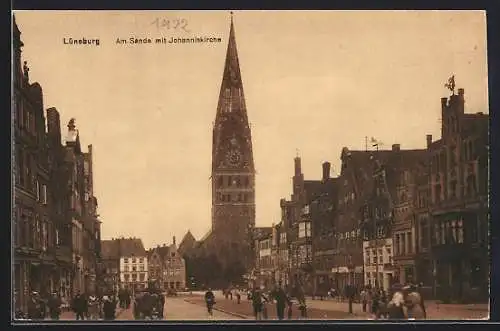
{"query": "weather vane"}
(451, 84)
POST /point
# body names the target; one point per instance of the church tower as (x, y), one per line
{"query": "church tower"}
(233, 172)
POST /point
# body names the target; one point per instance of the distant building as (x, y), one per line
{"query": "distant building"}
(133, 264)
(167, 267)
(388, 213)
(174, 273)
(110, 264)
(263, 274)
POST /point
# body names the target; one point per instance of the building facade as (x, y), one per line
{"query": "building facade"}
(133, 264)
(323, 211)
(110, 266)
(263, 272)
(459, 171)
(34, 266)
(167, 267)
(174, 273)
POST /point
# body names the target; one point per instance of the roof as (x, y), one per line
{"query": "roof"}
(187, 243)
(132, 246)
(110, 249)
(361, 165)
(162, 251)
(263, 232)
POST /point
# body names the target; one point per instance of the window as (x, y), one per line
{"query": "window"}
(410, 242)
(424, 233)
(134, 260)
(403, 244)
(367, 256)
(283, 238)
(141, 260)
(380, 256)
(380, 232)
(44, 194)
(126, 268)
(142, 277)
(125, 260)
(37, 187)
(304, 229)
(460, 230)
(127, 277)
(141, 267)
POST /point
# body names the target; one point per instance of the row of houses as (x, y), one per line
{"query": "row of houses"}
(395, 215)
(55, 226)
(128, 265)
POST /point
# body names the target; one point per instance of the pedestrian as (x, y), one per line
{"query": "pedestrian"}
(257, 303)
(109, 308)
(395, 307)
(290, 309)
(54, 305)
(281, 299)
(78, 306)
(368, 299)
(34, 311)
(238, 295)
(162, 304)
(210, 301)
(375, 303)
(414, 303)
(363, 296)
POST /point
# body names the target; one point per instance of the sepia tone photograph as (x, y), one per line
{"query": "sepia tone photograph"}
(249, 165)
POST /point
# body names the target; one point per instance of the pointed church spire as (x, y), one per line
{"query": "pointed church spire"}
(232, 74)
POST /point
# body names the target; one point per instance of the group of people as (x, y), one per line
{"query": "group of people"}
(403, 302)
(93, 307)
(260, 299)
(149, 305)
(84, 306)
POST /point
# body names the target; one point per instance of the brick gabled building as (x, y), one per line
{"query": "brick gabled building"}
(322, 210)
(34, 262)
(458, 229)
(167, 267)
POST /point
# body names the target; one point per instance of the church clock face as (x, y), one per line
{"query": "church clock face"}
(233, 157)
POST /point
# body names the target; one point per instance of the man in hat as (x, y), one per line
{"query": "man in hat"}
(54, 305)
(281, 299)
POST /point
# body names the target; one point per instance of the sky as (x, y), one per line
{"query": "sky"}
(314, 82)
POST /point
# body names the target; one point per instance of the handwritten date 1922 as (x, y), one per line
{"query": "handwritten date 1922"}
(171, 24)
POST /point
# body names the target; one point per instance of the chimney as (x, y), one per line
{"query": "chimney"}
(173, 239)
(396, 147)
(298, 168)
(326, 171)
(461, 92)
(90, 149)
(429, 140)
(444, 102)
